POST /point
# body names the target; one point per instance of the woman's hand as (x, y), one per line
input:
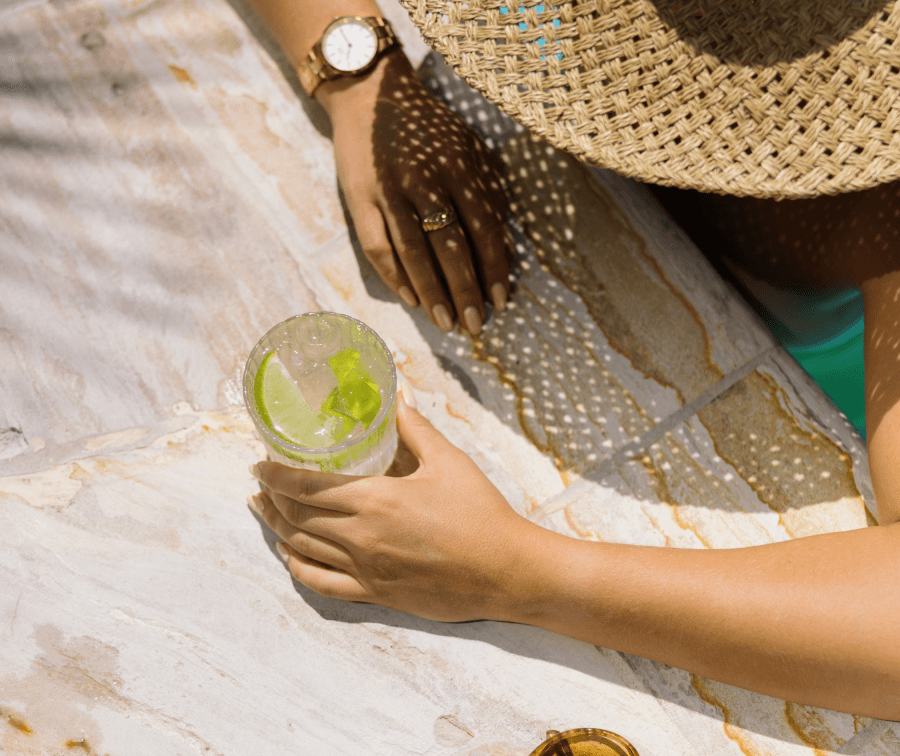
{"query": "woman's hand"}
(402, 156)
(441, 543)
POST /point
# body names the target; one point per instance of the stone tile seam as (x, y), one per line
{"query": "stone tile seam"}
(630, 450)
(865, 737)
(33, 463)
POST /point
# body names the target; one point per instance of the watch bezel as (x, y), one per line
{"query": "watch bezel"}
(313, 69)
(344, 20)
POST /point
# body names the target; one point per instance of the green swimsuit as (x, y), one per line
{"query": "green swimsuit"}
(821, 328)
(823, 331)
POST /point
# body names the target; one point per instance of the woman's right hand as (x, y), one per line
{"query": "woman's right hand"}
(441, 543)
(402, 156)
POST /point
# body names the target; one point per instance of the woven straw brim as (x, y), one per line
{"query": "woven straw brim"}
(766, 98)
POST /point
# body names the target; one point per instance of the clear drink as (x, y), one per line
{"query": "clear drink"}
(321, 389)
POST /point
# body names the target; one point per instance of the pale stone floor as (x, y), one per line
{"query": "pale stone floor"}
(166, 196)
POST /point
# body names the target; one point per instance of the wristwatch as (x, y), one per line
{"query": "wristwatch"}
(349, 46)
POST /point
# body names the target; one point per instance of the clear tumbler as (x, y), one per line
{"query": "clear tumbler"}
(321, 389)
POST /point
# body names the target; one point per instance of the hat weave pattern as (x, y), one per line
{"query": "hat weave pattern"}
(765, 98)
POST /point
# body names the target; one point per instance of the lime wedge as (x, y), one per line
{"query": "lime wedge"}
(280, 402)
(283, 408)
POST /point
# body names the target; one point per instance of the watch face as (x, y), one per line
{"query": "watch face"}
(349, 46)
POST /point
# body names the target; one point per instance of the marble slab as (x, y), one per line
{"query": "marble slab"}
(617, 320)
(167, 195)
(768, 460)
(146, 604)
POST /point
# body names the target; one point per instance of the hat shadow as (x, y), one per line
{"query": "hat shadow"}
(759, 33)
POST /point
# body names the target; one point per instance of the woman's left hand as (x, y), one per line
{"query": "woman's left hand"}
(402, 156)
(441, 543)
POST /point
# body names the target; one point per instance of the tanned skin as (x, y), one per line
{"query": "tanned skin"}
(814, 620)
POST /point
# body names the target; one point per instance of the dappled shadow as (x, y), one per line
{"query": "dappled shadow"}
(591, 307)
(542, 365)
(809, 250)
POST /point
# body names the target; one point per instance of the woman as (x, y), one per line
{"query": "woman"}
(442, 543)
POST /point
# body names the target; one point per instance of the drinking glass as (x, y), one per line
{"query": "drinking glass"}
(316, 351)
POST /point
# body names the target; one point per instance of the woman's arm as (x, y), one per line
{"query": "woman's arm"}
(815, 620)
(401, 156)
(298, 24)
(881, 295)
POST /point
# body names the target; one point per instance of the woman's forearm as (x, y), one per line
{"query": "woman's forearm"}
(814, 620)
(298, 24)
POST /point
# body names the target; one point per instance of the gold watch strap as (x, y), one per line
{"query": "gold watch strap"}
(313, 69)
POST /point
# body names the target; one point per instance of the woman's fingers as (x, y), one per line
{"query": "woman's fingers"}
(285, 515)
(322, 490)
(451, 248)
(376, 244)
(494, 259)
(321, 579)
(417, 260)
(485, 223)
(309, 544)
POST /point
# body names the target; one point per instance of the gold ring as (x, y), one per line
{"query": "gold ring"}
(436, 221)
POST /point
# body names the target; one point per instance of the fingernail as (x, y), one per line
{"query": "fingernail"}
(473, 320)
(498, 294)
(407, 395)
(407, 296)
(442, 317)
(256, 504)
(283, 551)
(255, 472)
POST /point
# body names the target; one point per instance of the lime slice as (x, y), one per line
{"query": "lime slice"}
(281, 404)
(283, 408)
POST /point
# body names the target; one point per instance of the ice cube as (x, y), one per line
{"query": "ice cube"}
(314, 379)
(357, 394)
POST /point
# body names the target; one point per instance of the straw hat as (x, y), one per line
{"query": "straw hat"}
(767, 98)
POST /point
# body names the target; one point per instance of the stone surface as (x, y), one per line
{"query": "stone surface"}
(766, 461)
(144, 597)
(168, 195)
